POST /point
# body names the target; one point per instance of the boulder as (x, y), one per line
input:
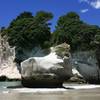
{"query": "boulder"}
(48, 71)
(76, 78)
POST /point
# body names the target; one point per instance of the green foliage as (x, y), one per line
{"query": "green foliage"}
(27, 31)
(72, 30)
(67, 25)
(25, 15)
(73, 15)
(43, 16)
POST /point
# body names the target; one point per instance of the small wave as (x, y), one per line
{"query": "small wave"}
(81, 86)
(39, 90)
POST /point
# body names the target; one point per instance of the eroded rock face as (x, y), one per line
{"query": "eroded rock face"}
(87, 65)
(7, 66)
(50, 70)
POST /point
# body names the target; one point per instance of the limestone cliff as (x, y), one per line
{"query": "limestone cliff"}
(7, 66)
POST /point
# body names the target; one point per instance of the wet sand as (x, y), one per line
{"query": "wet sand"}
(73, 92)
(84, 94)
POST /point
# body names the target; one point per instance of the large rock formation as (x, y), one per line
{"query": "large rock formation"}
(87, 64)
(50, 70)
(8, 68)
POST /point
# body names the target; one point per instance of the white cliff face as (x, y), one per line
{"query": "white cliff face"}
(7, 66)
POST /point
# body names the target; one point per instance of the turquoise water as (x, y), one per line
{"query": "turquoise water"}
(5, 86)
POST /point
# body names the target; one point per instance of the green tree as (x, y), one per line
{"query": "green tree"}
(43, 16)
(72, 30)
(27, 31)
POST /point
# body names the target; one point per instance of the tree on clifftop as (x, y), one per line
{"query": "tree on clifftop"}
(72, 30)
(27, 31)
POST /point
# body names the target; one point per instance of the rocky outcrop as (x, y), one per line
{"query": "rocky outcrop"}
(50, 70)
(77, 77)
(8, 69)
(87, 65)
(98, 55)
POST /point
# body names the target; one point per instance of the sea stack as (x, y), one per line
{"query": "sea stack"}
(47, 71)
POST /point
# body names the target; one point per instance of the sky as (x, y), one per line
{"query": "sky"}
(89, 10)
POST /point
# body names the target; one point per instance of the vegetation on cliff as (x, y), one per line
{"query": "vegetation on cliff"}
(28, 31)
(77, 33)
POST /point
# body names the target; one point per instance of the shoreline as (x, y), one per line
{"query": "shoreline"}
(66, 87)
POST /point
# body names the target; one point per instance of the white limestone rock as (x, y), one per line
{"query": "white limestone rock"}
(56, 65)
(7, 66)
